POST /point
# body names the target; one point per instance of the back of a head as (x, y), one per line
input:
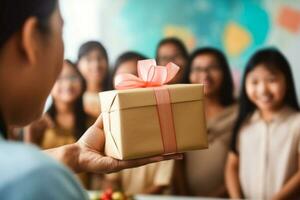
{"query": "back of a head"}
(13, 14)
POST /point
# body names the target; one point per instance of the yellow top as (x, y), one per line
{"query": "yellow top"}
(58, 136)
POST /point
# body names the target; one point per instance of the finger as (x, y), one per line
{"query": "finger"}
(93, 139)
(99, 122)
(143, 161)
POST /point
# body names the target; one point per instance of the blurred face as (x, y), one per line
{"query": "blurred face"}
(93, 67)
(205, 70)
(128, 67)
(265, 88)
(68, 86)
(170, 53)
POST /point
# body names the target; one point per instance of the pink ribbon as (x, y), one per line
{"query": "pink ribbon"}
(151, 75)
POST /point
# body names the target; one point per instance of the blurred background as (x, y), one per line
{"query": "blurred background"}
(238, 27)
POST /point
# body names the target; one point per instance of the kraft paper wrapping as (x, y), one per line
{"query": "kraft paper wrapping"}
(131, 123)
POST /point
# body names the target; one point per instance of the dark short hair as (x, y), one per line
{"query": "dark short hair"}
(14, 13)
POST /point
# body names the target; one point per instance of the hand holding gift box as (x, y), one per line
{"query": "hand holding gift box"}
(145, 117)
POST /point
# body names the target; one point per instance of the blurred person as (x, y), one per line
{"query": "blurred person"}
(204, 169)
(264, 159)
(93, 64)
(65, 121)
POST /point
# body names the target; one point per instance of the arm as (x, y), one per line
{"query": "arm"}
(291, 189)
(232, 176)
(87, 155)
(34, 132)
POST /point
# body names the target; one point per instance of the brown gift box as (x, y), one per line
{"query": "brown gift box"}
(131, 121)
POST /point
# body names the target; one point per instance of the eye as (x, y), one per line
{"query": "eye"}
(196, 69)
(254, 81)
(271, 79)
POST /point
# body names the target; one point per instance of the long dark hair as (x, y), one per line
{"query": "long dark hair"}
(89, 46)
(124, 57)
(226, 95)
(80, 116)
(272, 59)
(13, 15)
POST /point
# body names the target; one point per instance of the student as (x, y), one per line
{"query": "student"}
(65, 121)
(173, 50)
(264, 159)
(205, 169)
(149, 179)
(93, 64)
(31, 55)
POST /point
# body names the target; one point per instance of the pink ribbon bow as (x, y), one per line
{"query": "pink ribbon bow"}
(149, 75)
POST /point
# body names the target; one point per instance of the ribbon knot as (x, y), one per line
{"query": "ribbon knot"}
(149, 75)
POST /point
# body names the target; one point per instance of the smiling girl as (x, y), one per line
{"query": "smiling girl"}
(264, 158)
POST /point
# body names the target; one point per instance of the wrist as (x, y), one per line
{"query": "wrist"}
(71, 157)
(68, 155)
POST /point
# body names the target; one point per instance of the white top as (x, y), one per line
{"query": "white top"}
(268, 153)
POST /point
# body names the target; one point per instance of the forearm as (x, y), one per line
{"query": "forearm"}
(233, 185)
(232, 176)
(67, 154)
(291, 189)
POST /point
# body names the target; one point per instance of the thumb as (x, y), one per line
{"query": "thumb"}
(99, 122)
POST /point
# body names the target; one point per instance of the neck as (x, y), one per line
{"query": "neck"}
(92, 87)
(212, 106)
(64, 108)
(268, 115)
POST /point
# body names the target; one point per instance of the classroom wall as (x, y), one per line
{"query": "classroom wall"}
(238, 27)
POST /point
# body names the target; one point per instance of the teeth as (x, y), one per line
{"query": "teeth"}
(265, 99)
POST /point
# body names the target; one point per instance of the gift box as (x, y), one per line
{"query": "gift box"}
(153, 120)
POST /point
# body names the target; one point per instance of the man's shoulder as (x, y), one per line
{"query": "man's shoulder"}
(25, 169)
